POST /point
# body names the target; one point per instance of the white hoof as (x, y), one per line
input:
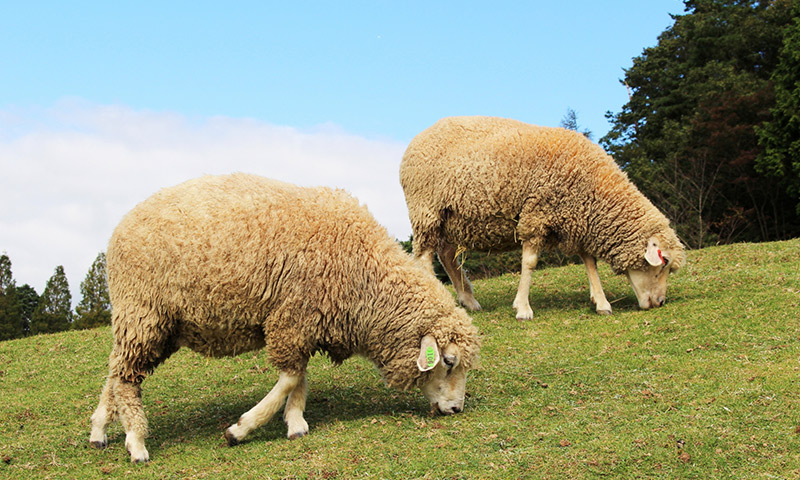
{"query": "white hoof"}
(525, 313)
(297, 429)
(524, 310)
(138, 452)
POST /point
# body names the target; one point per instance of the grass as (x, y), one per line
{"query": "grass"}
(706, 387)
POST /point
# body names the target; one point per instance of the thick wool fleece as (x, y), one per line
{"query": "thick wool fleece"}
(228, 264)
(487, 183)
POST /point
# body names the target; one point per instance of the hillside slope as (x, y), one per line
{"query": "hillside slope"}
(706, 387)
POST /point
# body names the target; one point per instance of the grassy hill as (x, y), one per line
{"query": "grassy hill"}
(706, 387)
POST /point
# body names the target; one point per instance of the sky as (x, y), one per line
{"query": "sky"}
(104, 103)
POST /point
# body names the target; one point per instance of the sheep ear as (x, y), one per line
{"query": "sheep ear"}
(428, 354)
(653, 253)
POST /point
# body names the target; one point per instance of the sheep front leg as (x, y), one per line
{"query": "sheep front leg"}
(462, 285)
(293, 414)
(265, 409)
(530, 257)
(595, 288)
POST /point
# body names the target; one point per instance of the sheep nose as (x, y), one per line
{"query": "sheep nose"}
(449, 411)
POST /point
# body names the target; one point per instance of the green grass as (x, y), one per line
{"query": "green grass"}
(706, 387)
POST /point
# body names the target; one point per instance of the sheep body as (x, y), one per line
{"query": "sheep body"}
(488, 183)
(229, 264)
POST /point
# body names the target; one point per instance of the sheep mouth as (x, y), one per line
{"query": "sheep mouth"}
(436, 409)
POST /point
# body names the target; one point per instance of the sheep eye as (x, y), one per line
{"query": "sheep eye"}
(449, 361)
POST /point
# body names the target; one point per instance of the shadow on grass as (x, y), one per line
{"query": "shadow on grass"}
(327, 404)
(559, 301)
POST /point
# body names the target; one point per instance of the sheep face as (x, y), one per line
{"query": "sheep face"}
(650, 283)
(446, 382)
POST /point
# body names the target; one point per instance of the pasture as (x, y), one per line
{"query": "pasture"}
(706, 387)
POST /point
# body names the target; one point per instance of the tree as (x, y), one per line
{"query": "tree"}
(53, 313)
(94, 308)
(780, 136)
(10, 318)
(28, 301)
(687, 136)
(570, 122)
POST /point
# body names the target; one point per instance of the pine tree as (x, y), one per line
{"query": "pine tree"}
(95, 308)
(10, 318)
(54, 312)
(570, 122)
(28, 301)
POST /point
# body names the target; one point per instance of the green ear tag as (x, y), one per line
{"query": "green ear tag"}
(430, 356)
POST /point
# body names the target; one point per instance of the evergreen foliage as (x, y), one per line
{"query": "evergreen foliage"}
(780, 136)
(53, 313)
(570, 122)
(688, 134)
(94, 308)
(28, 300)
(10, 315)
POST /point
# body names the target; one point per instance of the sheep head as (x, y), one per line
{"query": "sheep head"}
(650, 281)
(447, 379)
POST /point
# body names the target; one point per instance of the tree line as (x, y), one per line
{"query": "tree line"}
(24, 312)
(711, 131)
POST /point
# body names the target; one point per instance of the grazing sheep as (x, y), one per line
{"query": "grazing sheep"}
(486, 183)
(228, 264)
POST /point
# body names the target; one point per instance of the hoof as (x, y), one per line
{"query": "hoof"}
(604, 312)
(99, 444)
(231, 439)
(141, 457)
(525, 314)
(297, 435)
(470, 304)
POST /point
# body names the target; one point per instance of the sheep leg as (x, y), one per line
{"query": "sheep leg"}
(424, 245)
(123, 400)
(426, 260)
(265, 409)
(530, 256)
(447, 256)
(104, 414)
(293, 414)
(128, 397)
(595, 288)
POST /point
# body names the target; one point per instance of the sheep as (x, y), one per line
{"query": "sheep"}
(229, 264)
(487, 183)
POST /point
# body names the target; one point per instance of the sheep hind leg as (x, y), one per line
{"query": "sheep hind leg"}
(530, 257)
(264, 410)
(128, 396)
(293, 413)
(596, 293)
(104, 414)
(447, 256)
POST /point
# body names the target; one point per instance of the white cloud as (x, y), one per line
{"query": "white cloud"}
(69, 173)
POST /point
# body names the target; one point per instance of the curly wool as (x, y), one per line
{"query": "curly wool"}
(229, 264)
(488, 183)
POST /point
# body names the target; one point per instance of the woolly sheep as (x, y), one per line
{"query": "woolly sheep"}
(228, 264)
(487, 183)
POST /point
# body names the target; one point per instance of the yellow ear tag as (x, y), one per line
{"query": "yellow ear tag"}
(430, 356)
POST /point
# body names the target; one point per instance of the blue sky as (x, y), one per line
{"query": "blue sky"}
(102, 103)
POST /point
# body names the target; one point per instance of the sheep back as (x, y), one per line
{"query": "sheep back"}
(228, 264)
(488, 183)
